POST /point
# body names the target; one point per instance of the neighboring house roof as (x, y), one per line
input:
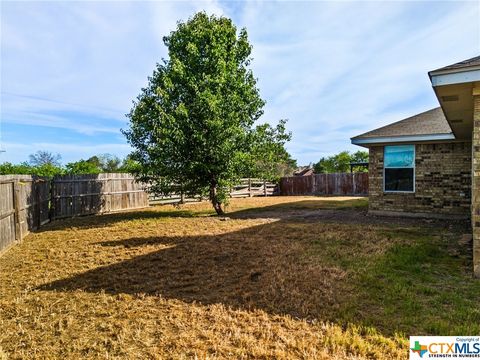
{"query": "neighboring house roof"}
(303, 171)
(307, 172)
(475, 61)
(427, 126)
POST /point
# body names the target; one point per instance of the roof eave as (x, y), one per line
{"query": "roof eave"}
(454, 76)
(401, 139)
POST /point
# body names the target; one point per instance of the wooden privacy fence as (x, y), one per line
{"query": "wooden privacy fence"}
(325, 184)
(28, 202)
(24, 206)
(77, 195)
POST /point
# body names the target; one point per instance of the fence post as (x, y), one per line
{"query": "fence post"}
(264, 188)
(354, 185)
(182, 196)
(109, 187)
(16, 205)
(249, 187)
(51, 194)
(37, 205)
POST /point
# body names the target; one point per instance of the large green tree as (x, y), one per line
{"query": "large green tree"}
(193, 125)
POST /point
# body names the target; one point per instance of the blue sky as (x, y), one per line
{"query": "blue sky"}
(70, 70)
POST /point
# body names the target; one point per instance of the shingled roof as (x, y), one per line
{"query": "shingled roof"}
(475, 61)
(431, 122)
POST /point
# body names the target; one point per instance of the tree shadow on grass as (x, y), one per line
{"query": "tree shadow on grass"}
(103, 220)
(251, 268)
(330, 272)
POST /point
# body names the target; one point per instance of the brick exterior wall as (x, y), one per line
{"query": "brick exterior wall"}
(476, 185)
(442, 181)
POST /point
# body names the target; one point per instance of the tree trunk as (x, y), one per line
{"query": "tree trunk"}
(213, 198)
(182, 196)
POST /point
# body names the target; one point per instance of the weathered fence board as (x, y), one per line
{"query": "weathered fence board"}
(78, 195)
(7, 214)
(24, 206)
(325, 184)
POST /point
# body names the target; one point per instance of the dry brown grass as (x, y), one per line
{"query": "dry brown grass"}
(280, 281)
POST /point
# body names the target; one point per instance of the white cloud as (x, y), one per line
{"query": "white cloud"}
(335, 69)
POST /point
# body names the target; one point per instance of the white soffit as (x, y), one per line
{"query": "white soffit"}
(455, 77)
(402, 139)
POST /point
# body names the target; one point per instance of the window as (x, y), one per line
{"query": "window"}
(399, 168)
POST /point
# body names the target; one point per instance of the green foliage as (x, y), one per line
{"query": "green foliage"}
(360, 156)
(341, 162)
(25, 168)
(103, 163)
(193, 124)
(268, 159)
(106, 162)
(130, 165)
(7, 168)
(82, 167)
(48, 170)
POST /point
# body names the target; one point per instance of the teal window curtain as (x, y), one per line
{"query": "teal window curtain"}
(399, 156)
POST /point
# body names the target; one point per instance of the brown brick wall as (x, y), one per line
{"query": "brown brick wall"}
(442, 181)
(476, 185)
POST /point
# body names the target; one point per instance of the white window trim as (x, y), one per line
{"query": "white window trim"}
(414, 173)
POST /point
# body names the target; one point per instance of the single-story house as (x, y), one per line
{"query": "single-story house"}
(429, 164)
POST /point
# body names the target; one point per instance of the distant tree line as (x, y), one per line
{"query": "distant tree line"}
(340, 163)
(45, 163)
(269, 161)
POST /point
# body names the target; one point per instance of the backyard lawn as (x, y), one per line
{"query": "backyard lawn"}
(281, 277)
